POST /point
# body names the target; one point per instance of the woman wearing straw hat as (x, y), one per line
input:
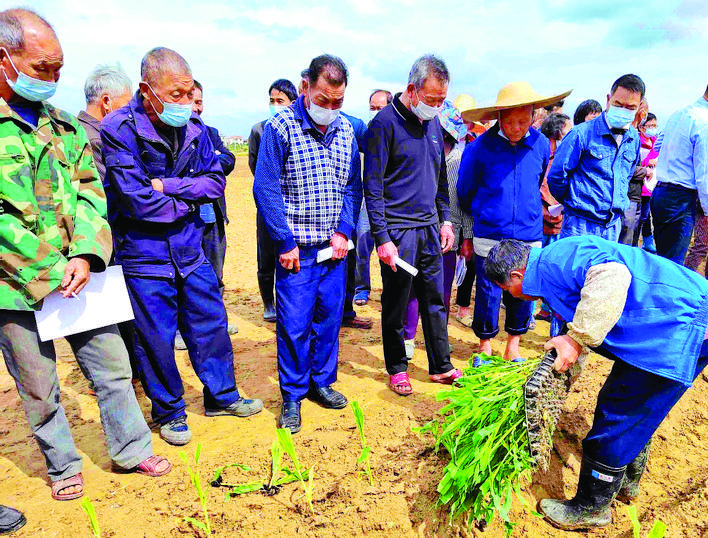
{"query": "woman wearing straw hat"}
(499, 181)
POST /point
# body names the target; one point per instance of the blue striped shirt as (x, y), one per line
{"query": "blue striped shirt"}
(683, 157)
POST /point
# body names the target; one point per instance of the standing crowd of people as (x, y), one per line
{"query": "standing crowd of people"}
(512, 199)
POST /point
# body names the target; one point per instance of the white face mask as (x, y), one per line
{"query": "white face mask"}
(372, 114)
(425, 112)
(322, 116)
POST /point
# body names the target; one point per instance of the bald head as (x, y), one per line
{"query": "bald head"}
(161, 62)
(15, 23)
(28, 45)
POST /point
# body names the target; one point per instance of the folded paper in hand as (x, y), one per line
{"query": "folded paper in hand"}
(555, 210)
(326, 253)
(103, 301)
(403, 264)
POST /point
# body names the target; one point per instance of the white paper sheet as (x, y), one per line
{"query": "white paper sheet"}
(104, 301)
(403, 264)
(555, 210)
(326, 253)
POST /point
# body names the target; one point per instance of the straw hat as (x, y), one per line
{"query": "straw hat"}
(512, 95)
(464, 102)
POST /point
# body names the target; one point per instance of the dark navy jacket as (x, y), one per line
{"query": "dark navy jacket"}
(228, 163)
(157, 234)
(499, 184)
(663, 324)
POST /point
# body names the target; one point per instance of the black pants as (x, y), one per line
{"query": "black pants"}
(266, 259)
(464, 291)
(421, 248)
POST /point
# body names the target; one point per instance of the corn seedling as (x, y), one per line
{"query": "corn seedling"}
(202, 494)
(365, 456)
(285, 439)
(87, 505)
(657, 531)
(483, 428)
(280, 475)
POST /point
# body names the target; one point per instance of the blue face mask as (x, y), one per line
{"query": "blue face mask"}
(619, 117)
(651, 132)
(172, 114)
(274, 109)
(30, 88)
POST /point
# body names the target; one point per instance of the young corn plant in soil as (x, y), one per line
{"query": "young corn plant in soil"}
(365, 456)
(279, 476)
(483, 428)
(657, 531)
(202, 494)
(87, 506)
(285, 439)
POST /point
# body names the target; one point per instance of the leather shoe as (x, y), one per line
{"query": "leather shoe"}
(290, 417)
(327, 397)
(10, 520)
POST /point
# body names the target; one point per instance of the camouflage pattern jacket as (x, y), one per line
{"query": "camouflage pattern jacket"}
(52, 205)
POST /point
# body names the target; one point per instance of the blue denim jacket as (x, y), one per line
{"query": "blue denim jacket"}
(157, 234)
(663, 324)
(590, 174)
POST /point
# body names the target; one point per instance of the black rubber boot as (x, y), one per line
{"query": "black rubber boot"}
(598, 485)
(10, 520)
(266, 283)
(633, 475)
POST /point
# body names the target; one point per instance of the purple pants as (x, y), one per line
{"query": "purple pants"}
(410, 319)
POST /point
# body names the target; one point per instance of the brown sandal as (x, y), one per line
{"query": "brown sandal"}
(448, 378)
(59, 485)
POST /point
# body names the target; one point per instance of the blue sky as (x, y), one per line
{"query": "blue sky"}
(237, 48)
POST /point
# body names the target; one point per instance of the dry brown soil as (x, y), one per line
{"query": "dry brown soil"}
(402, 501)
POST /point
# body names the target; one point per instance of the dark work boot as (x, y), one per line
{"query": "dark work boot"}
(633, 475)
(266, 283)
(327, 397)
(598, 485)
(290, 417)
(10, 520)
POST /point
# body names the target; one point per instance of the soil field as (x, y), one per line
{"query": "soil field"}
(402, 500)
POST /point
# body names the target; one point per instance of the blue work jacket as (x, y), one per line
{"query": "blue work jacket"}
(663, 325)
(499, 185)
(590, 174)
(157, 234)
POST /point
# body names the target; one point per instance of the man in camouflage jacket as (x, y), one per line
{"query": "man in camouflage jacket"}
(53, 230)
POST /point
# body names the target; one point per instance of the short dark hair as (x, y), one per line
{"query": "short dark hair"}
(506, 256)
(553, 125)
(198, 85)
(629, 82)
(285, 86)
(586, 107)
(331, 67)
(389, 95)
(554, 105)
(650, 116)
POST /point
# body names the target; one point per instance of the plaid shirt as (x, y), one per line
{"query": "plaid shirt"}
(307, 184)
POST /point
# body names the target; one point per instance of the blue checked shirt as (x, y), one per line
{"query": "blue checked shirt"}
(307, 184)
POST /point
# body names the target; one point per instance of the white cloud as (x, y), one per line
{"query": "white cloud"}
(237, 49)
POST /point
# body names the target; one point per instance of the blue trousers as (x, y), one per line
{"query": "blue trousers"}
(309, 306)
(673, 209)
(194, 305)
(487, 299)
(630, 407)
(364, 248)
(575, 225)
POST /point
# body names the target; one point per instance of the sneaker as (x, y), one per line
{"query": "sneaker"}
(269, 313)
(361, 298)
(176, 432)
(532, 323)
(231, 328)
(240, 408)
(410, 348)
(10, 520)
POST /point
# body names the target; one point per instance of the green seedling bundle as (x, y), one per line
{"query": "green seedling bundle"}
(483, 428)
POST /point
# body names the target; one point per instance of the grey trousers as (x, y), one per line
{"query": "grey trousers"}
(103, 357)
